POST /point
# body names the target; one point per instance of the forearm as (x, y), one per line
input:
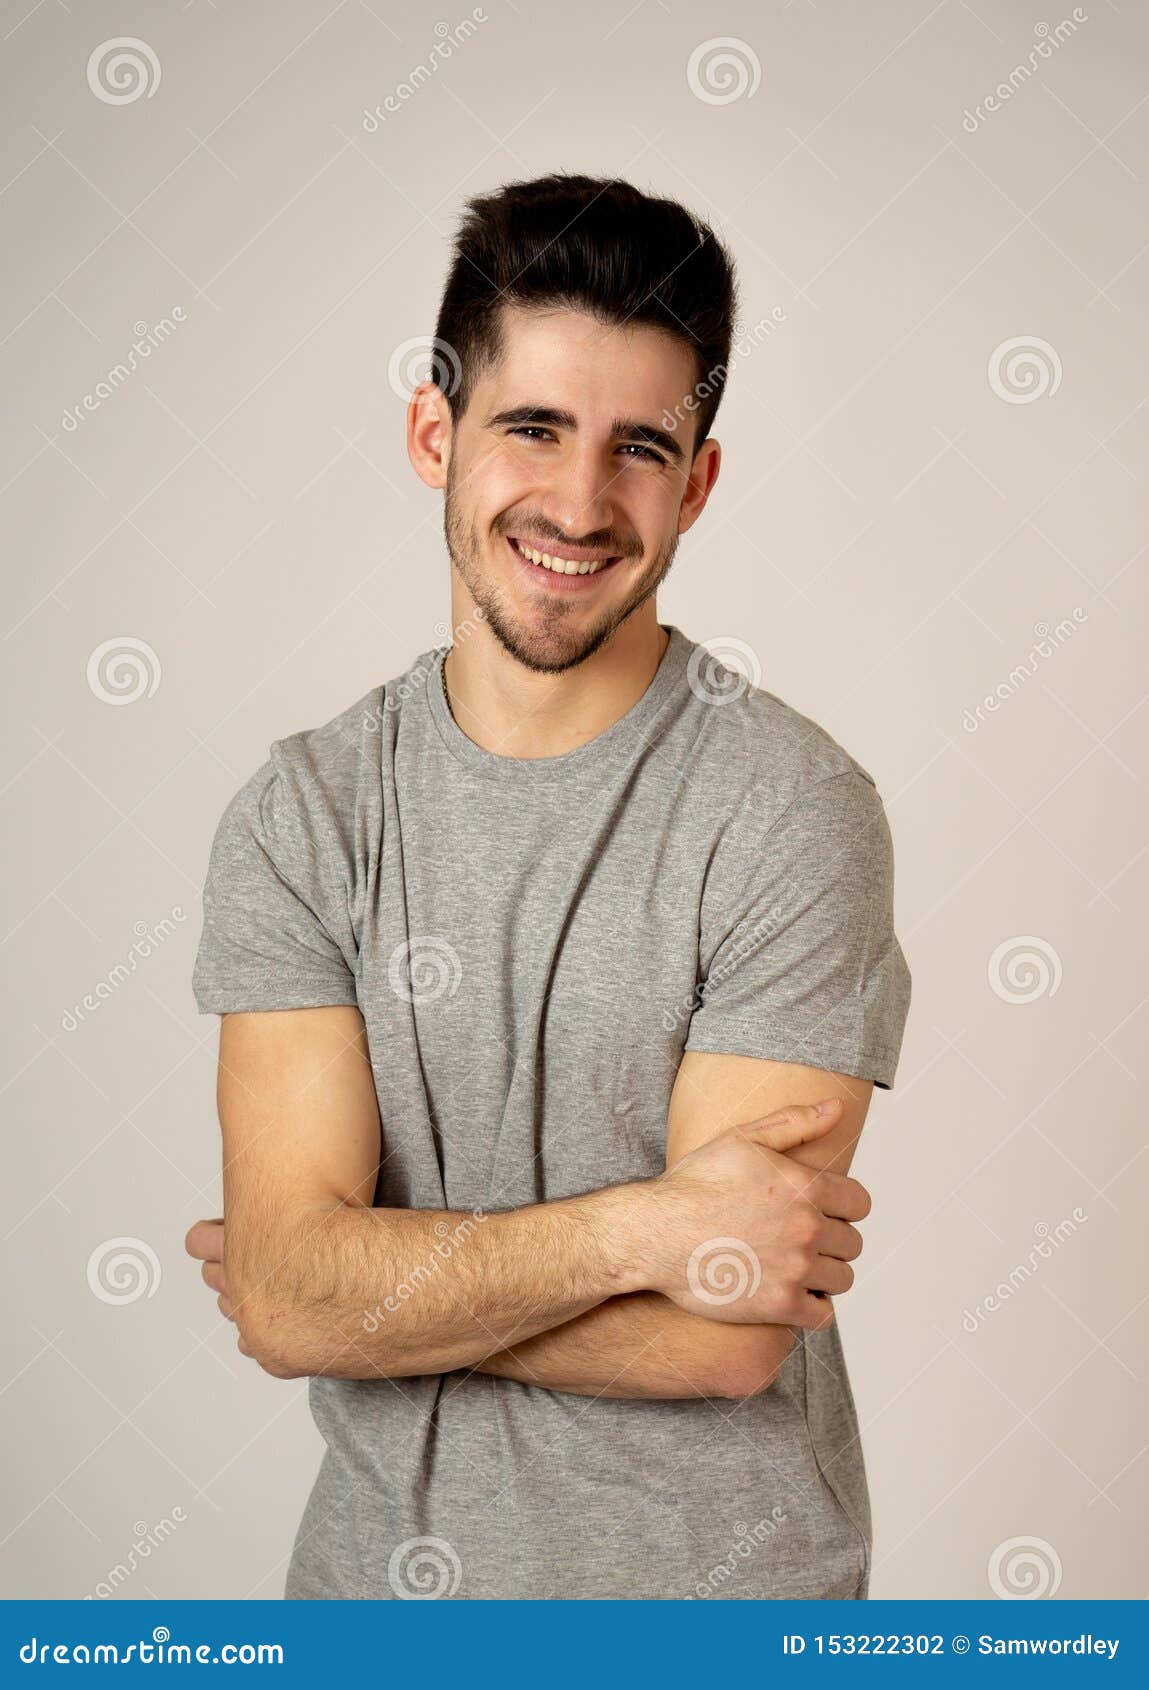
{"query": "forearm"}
(643, 1345)
(357, 1293)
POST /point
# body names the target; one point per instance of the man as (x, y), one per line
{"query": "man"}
(533, 965)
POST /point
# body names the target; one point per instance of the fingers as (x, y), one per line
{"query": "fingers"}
(813, 1313)
(839, 1195)
(226, 1307)
(830, 1275)
(204, 1241)
(840, 1239)
(213, 1275)
(794, 1125)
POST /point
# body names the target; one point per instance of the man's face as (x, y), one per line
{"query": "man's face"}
(563, 450)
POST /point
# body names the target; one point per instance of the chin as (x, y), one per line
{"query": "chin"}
(547, 649)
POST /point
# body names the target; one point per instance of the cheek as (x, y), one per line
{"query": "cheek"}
(499, 483)
(514, 462)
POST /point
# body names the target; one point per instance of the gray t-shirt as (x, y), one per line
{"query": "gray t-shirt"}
(533, 943)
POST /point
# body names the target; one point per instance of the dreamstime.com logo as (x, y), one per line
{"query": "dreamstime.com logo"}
(1049, 1239)
(1047, 43)
(122, 70)
(423, 1569)
(123, 670)
(422, 970)
(423, 358)
(1023, 672)
(742, 345)
(742, 942)
(721, 1270)
(449, 1239)
(396, 693)
(1024, 369)
(148, 939)
(148, 337)
(156, 1650)
(147, 1539)
(746, 1540)
(1023, 969)
(122, 1270)
(722, 70)
(447, 41)
(1024, 1569)
(722, 669)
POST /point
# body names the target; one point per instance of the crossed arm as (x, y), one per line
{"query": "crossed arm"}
(644, 1345)
(552, 1295)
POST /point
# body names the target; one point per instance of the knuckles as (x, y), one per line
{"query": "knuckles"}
(808, 1226)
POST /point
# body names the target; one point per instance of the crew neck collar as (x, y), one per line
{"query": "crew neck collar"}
(618, 737)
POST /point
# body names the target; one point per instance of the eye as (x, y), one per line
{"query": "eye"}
(641, 452)
(644, 452)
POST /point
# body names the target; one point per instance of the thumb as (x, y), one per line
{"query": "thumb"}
(204, 1241)
(797, 1124)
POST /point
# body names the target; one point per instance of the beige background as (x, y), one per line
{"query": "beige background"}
(897, 513)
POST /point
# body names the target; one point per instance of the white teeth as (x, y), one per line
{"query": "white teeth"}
(560, 565)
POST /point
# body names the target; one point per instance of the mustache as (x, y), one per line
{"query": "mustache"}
(537, 536)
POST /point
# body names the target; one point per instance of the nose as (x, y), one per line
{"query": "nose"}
(579, 500)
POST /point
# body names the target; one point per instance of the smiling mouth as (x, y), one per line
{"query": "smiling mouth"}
(556, 564)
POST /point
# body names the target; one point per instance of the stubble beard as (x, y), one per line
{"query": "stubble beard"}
(553, 643)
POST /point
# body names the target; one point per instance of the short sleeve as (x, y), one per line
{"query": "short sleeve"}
(276, 930)
(799, 958)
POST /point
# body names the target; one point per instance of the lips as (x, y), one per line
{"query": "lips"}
(562, 561)
(563, 579)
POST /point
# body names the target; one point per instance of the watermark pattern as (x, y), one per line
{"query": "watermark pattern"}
(447, 41)
(721, 1270)
(1023, 969)
(122, 70)
(148, 939)
(123, 669)
(423, 1569)
(147, 1539)
(722, 70)
(421, 970)
(748, 939)
(460, 632)
(1024, 1569)
(1047, 43)
(1048, 1240)
(148, 337)
(722, 669)
(746, 1541)
(742, 345)
(396, 694)
(423, 358)
(1024, 369)
(1049, 640)
(158, 1650)
(416, 677)
(122, 1270)
(448, 1239)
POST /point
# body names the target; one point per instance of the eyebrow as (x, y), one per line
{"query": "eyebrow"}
(548, 416)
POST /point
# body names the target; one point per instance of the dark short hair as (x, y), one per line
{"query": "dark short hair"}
(590, 244)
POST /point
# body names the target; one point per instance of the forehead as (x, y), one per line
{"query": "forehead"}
(563, 355)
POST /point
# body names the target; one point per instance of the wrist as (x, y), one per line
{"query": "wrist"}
(632, 1229)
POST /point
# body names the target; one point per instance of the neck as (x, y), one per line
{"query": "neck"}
(516, 712)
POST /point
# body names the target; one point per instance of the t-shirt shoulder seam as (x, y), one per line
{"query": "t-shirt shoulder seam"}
(853, 773)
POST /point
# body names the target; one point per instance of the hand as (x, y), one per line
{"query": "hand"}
(205, 1243)
(739, 1231)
